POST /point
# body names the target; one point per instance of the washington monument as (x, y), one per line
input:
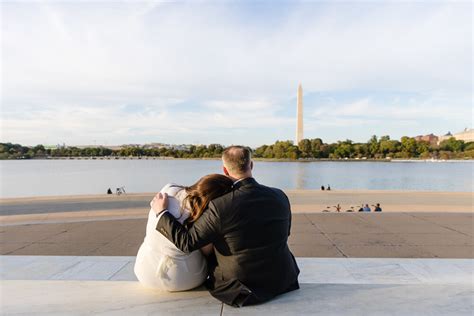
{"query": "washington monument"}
(299, 114)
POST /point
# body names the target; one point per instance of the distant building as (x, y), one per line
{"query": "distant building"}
(431, 138)
(467, 135)
(51, 147)
(131, 145)
(113, 147)
(167, 146)
(155, 145)
(182, 147)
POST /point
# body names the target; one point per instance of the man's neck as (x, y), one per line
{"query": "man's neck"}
(240, 177)
(238, 180)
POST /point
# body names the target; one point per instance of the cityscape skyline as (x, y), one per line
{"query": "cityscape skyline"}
(84, 73)
(466, 135)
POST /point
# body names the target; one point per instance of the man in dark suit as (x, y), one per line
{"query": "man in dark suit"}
(249, 228)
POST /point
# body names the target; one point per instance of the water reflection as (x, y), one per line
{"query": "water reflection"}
(300, 179)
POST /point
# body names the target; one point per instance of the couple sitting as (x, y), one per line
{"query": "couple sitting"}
(226, 231)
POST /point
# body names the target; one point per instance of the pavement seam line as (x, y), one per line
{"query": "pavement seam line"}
(432, 255)
(326, 236)
(117, 272)
(371, 223)
(95, 249)
(10, 252)
(440, 225)
(69, 267)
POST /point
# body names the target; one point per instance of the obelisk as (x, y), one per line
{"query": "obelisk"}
(299, 114)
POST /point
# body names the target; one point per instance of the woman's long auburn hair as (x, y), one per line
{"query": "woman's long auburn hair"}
(203, 191)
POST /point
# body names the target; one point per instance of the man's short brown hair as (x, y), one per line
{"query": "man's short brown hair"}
(237, 158)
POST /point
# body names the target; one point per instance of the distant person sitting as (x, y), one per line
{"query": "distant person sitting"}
(322, 188)
(366, 208)
(377, 208)
(329, 188)
(109, 191)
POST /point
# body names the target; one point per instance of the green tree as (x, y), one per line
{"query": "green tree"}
(285, 149)
(268, 153)
(317, 148)
(260, 151)
(373, 146)
(469, 146)
(344, 149)
(305, 148)
(409, 147)
(423, 148)
(360, 150)
(38, 150)
(452, 144)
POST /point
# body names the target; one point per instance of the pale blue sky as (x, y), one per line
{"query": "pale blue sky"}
(115, 72)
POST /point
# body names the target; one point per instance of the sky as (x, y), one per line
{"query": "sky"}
(202, 72)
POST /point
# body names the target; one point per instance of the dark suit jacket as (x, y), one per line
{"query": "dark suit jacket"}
(249, 228)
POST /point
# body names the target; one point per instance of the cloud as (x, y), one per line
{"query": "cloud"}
(228, 71)
(357, 117)
(132, 124)
(239, 105)
(410, 109)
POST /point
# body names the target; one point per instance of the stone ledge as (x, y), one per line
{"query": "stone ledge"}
(47, 285)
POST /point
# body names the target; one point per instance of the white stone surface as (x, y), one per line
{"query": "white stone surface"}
(313, 270)
(100, 298)
(125, 274)
(367, 299)
(61, 267)
(49, 285)
(35, 267)
(386, 271)
(90, 270)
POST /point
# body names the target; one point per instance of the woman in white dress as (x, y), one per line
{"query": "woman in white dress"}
(159, 264)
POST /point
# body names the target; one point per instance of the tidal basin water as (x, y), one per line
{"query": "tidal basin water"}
(69, 177)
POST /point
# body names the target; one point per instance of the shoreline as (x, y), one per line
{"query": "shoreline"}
(51, 209)
(256, 159)
(133, 195)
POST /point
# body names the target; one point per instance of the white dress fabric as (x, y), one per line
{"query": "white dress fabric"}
(159, 264)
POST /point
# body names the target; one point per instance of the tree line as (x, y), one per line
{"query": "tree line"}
(375, 148)
(16, 151)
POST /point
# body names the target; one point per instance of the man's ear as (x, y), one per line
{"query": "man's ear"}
(225, 171)
(251, 164)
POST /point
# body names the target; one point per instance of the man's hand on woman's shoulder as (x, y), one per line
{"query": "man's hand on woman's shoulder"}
(159, 203)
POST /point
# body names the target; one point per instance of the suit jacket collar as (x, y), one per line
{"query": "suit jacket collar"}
(245, 182)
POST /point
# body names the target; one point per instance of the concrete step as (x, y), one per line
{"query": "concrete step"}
(46, 285)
